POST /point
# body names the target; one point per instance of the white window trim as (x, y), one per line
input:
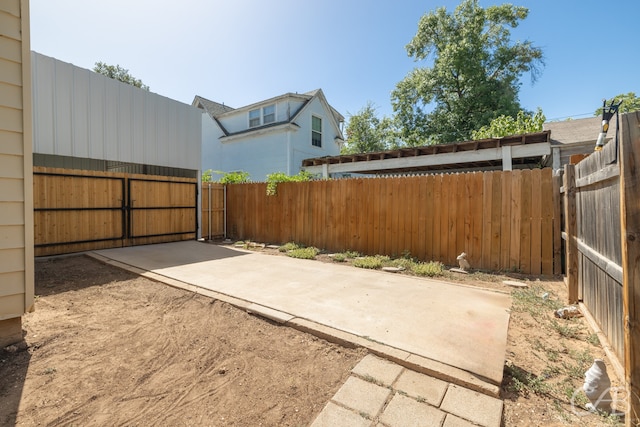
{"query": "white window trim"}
(321, 130)
(261, 116)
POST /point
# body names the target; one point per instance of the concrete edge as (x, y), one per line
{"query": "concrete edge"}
(403, 358)
(346, 339)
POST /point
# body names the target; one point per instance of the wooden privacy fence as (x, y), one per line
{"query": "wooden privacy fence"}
(602, 233)
(85, 210)
(213, 210)
(502, 220)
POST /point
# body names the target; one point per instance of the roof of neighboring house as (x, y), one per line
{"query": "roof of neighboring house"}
(213, 108)
(575, 131)
(217, 110)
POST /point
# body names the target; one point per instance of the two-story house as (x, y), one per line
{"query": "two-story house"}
(273, 135)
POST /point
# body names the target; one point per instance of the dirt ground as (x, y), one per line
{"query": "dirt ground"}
(108, 347)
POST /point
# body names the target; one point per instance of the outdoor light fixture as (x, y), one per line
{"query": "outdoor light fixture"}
(607, 113)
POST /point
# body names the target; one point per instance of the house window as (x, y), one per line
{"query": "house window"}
(316, 131)
(254, 118)
(262, 116)
(269, 114)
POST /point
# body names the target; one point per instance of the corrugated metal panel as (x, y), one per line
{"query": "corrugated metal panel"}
(82, 114)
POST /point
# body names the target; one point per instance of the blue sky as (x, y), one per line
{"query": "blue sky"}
(243, 51)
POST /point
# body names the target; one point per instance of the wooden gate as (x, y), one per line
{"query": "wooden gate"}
(86, 210)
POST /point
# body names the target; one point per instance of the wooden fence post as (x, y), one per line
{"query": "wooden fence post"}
(570, 227)
(630, 224)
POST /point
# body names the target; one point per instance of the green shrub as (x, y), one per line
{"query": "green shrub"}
(431, 268)
(351, 254)
(340, 257)
(273, 179)
(405, 263)
(289, 247)
(303, 253)
(371, 262)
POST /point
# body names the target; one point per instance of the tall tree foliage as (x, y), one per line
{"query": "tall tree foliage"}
(630, 103)
(473, 73)
(367, 133)
(119, 73)
(508, 125)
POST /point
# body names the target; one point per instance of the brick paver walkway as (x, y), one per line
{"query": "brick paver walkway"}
(380, 393)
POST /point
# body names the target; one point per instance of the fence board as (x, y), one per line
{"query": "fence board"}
(525, 223)
(496, 217)
(536, 221)
(477, 215)
(505, 219)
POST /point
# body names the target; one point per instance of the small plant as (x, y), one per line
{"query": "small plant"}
(430, 269)
(525, 383)
(289, 247)
(303, 253)
(49, 371)
(351, 254)
(593, 340)
(531, 300)
(370, 262)
(405, 263)
(340, 257)
(566, 330)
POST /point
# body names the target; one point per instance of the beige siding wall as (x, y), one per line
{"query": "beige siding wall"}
(16, 182)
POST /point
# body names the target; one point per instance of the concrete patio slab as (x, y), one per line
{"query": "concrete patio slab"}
(457, 326)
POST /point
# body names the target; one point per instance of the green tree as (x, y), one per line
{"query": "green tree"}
(630, 103)
(509, 125)
(473, 76)
(116, 72)
(238, 177)
(367, 133)
(273, 179)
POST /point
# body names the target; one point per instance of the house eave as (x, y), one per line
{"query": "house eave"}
(264, 130)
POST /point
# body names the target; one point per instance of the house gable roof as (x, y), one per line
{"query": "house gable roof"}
(211, 107)
(218, 111)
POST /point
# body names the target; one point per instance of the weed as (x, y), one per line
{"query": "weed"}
(303, 253)
(405, 263)
(530, 300)
(371, 262)
(421, 399)
(352, 254)
(552, 355)
(289, 247)
(372, 380)
(339, 257)
(566, 330)
(525, 382)
(364, 415)
(431, 268)
(593, 340)
(49, 371)
(583, 361)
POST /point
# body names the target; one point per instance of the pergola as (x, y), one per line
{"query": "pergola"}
(512, 152)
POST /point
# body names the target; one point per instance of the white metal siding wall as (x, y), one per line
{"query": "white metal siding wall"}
(80, 113)
(16, 205)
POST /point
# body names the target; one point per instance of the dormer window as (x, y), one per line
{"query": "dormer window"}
(269, 114)
(254, 118)
(262, 116)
